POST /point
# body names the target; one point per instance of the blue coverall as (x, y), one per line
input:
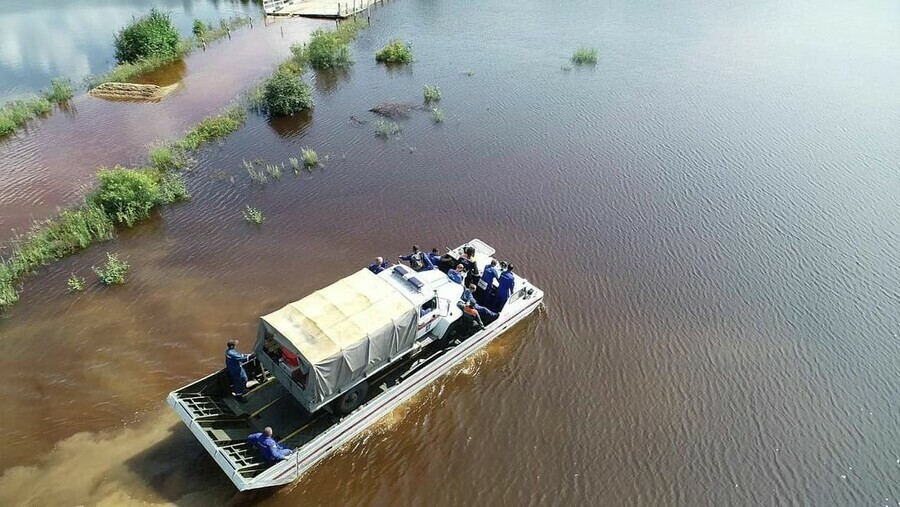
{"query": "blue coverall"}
(507, 281)
(487, 315)
(378, 268)
(233, 360)
(468, 296)
(426, 261)
(485, 290)
(269, 448)
(455, 276)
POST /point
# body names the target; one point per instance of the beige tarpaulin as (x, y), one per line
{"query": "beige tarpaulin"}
(345, 330)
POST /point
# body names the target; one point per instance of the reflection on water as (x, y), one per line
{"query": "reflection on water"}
(329, 81)
(44, 39)
(711, 210)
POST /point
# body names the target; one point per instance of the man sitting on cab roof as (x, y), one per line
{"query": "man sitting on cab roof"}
(417, 259)
(379, 265)
(270, 449)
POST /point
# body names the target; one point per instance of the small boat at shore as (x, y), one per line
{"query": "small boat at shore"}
(328, 366)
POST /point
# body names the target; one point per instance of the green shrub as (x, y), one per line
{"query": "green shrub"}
(7, 125)
(200, 27)
(310, 157)
(151, 35)
(431, 93)
(126, 195)
(437, 115)
(299, 57)
(286, 94)
(326, 50)
(61, 90)
(584, 56)
(253, 215)
(396, 51)
(213, 127)
(75, 283)
(113, 273)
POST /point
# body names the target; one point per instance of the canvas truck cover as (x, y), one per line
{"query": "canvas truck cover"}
(345, 330)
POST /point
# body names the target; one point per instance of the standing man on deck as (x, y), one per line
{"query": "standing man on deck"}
(233, 360)
(507, 284)
(486, 284)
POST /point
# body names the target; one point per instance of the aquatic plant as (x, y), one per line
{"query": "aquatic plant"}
(584, 56)
(327, 50)
(310, 158)
(253, 215)
(75, 283)
(224, 29)
(16, 113)
(437, 115)
(61, 90)
(126, 195)
(385, 129)
(295, 164)
(151, 35)
(286, 94)
(468, 72)
(396, 51)
(113, 273)
(172, 188)
(274, 170)
(348, 29)
(256, 175)
(431, 93)
(213, 127)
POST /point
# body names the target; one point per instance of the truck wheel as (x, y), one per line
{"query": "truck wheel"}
(351, 400)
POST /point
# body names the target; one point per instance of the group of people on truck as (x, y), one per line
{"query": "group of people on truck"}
(480, 296)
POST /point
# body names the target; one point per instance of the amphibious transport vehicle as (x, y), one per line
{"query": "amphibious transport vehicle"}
(329, 365)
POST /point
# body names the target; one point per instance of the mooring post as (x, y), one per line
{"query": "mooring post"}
(369, 20)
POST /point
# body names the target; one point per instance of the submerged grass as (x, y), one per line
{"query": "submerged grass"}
(396, 51)
(213, 127)
(385, 129)
(585, 56)
(437, 115)
(75, 283)
(114, 271)
(253, 215)
(431, 93)
(123, 196)
(16, 113)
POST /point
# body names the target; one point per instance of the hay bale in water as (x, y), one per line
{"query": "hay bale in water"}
(131, 91)
(393, 110)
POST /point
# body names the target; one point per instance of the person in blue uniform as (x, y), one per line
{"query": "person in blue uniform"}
(505, 289)
(270, 449)
(456, 274)
(468, 294)
(416, 259)
(487, 315)
(379, 265)
(485, 291)
(233, 360)
(435, 257)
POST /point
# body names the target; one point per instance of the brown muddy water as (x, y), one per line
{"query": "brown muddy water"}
(711, 210)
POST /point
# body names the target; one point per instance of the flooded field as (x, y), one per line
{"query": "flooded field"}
(712, 211)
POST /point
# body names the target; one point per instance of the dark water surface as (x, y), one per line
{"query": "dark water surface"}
(712, 211)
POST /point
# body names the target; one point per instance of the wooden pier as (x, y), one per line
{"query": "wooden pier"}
(331, 9)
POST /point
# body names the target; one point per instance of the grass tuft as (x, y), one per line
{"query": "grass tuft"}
(310, 158)
(253, 215)
(437, 115)
(585, 56)
(61, 90)
(274, 170)
(113, 273)
(295, 164)
(431, 93)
